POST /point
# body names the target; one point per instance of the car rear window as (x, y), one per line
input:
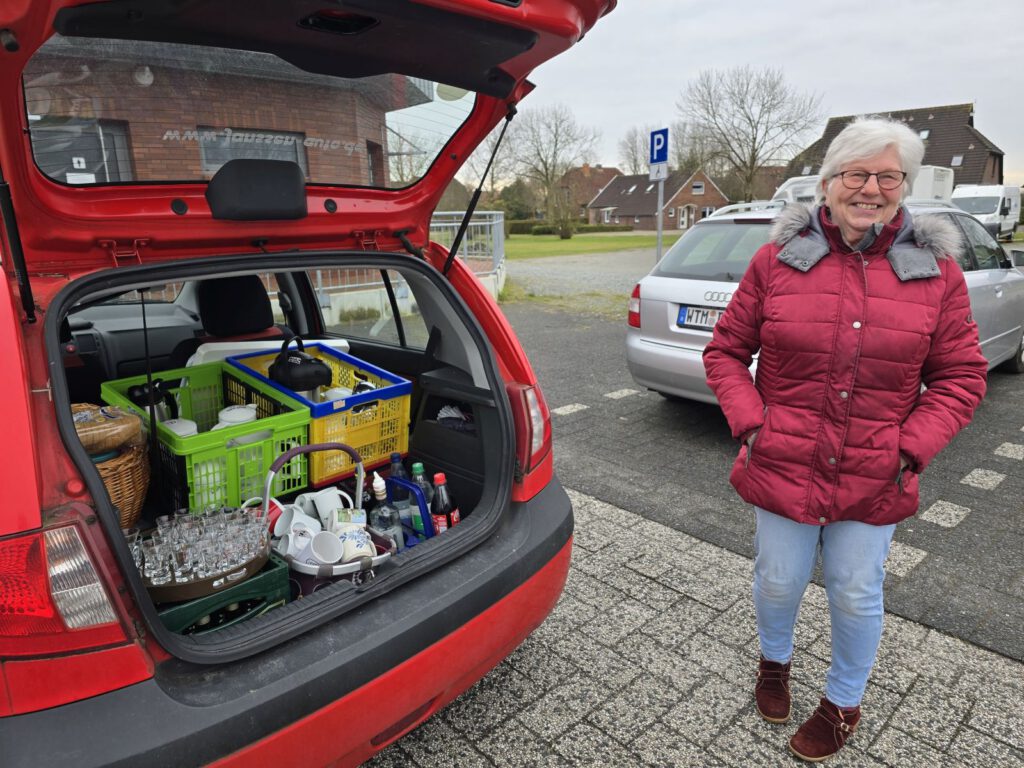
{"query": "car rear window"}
(714, 251)
(113, 111)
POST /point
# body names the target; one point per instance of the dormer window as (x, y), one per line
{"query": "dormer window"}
(957, 161)
(924, 134)
(630, 190)
(649, 188)
(697, 188)
(806, 171)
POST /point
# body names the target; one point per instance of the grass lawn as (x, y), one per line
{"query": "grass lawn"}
(536, 246)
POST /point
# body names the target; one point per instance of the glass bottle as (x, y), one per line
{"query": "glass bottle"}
(400, 496)
(419, 477)
(384, 517)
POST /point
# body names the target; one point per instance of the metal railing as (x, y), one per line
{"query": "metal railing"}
(483, 246)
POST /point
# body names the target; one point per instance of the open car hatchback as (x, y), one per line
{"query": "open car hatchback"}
(187, 187)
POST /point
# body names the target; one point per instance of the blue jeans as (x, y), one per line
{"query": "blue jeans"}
(853, 555)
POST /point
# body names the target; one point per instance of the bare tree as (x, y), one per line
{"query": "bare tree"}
(750, 117)
(692, 150)
(635, 149)
(548, 143)
(502, 171)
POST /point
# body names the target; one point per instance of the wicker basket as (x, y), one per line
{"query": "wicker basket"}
(127, 480)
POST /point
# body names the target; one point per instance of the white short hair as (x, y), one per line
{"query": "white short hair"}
(866, 137)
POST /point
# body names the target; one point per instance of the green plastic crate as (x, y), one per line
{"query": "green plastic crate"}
(253, 597)
(226, 466)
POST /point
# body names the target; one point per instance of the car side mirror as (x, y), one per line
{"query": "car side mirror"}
(1017, 258)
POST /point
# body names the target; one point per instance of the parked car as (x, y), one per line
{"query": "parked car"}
(673, 309)
(181, 179)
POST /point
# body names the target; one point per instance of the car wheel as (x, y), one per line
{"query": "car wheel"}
(1016, 363)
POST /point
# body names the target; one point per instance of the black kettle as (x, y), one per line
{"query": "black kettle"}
(299, 371)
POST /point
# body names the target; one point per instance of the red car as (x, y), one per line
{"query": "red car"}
(181, 179)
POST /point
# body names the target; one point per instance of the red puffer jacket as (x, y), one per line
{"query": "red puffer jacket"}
(846, 339)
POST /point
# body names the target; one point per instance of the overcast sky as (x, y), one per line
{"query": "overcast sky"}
(862, 57)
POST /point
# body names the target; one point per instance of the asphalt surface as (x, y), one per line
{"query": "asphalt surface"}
(648, 659)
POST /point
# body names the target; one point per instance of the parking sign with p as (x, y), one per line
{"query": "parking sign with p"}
(659, 146)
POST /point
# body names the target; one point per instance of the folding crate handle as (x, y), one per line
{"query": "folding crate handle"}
(298, 450)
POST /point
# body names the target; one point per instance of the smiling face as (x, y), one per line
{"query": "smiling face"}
(855, 210)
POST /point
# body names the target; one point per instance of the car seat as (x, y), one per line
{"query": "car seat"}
(231, 309)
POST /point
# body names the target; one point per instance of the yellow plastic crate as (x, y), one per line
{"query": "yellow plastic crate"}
(375, 423)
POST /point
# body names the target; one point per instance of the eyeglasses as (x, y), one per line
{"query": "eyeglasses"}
(888, 180)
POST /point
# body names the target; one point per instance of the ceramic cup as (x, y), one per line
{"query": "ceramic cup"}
(323, 549)
(356, 542)
(291, 544)
(292, 518)
(327, 502)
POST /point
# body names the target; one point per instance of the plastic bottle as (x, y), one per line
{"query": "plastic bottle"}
(443, 511)
(384, 517)
(419, 476)
(400, 496)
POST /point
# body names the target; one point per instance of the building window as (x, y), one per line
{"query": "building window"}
(697, 188)
(957, 161)
(616, 219)
(217, 147)
(375, 164)
(606, 216)
(671, 213)
(636, 219)
(925, 133)
(649, 188)
(630, 190)
(806, 171)
(706, 211)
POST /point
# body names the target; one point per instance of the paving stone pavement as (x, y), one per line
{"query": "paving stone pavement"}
(648, 660)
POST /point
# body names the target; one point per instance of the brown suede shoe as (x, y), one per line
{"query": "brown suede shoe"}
(825, 732)
(772, 691)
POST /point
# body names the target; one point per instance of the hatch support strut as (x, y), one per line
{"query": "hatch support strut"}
(476, 195)
(17, 254)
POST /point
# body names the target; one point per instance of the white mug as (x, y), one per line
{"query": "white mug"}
(323, 549)
(291, 544)
(292, 518)
(327, 502)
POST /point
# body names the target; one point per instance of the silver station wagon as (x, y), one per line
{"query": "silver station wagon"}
(673, 310)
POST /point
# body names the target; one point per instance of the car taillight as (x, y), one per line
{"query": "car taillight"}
(533, 426)
(51, 598)
(634, 307)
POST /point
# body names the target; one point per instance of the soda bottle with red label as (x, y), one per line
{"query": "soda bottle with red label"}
(443, 509)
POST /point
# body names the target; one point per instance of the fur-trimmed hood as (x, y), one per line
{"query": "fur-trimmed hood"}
(920, 242)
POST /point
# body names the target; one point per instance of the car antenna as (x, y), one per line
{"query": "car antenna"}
(151, 394)
(476, 195)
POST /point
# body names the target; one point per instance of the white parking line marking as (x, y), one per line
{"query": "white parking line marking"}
(945, 513)
(621, 393)
(902, 559)
(565, 410)
(985, 479)
(1011, 451)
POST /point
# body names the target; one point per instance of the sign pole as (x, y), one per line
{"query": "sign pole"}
(659, 172)
(661, 203)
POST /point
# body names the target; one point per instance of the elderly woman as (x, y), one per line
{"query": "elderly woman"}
(852, 305)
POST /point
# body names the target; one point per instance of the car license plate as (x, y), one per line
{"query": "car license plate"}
(699, 317)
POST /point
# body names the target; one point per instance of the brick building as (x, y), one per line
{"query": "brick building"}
(634, 200)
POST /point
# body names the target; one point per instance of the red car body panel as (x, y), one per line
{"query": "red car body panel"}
(346, 732)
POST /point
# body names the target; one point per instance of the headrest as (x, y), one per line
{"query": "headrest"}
(246, 189)
(232, 306)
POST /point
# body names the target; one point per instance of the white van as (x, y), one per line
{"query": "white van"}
(996, 206)
(798, 189)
